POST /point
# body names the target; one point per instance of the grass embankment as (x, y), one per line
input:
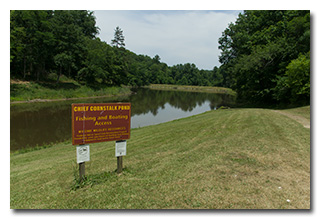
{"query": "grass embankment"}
(50, 90)
(224, 159)
(206, 89)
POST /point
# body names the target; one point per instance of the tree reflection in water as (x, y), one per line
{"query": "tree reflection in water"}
(35, 124)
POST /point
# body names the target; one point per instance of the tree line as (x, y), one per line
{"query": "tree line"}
(66, 43)
(265, 55)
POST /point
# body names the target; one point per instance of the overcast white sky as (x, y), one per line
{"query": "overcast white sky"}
(177, 36)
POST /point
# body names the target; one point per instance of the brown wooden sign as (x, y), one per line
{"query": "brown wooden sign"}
(99, 122)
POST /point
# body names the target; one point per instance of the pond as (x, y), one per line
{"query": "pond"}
(43, 123)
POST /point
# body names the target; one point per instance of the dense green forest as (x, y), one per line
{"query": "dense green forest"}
(66, 42)
(265, 55)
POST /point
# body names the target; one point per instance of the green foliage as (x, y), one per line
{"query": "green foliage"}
(256, 71)
(298, 75)
(256, 51)
(296, 81)
(49, 41)
(98, 64)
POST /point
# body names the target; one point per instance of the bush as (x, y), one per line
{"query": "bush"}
(294, 86)
(298, 76)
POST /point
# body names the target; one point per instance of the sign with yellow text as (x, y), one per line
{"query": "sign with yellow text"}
(99, 122)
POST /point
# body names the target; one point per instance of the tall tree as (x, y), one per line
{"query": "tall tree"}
(118, 40)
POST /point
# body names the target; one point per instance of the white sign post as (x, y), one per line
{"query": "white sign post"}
(83, 155)
(121, 150)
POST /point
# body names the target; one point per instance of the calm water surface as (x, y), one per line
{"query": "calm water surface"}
(33, 124)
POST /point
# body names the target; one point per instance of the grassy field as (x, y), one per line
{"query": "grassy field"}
(223, 159)
(206, 89)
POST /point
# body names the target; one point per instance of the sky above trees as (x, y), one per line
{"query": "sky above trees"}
(177, 36)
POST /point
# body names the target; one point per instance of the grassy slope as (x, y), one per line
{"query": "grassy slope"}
(206, 89)
(301, 111)
(66, 88)
(224, 159)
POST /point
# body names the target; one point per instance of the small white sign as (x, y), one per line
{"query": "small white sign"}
(121, 148)
(83, 153)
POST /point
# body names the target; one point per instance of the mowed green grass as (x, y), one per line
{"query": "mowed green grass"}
(223, 159)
